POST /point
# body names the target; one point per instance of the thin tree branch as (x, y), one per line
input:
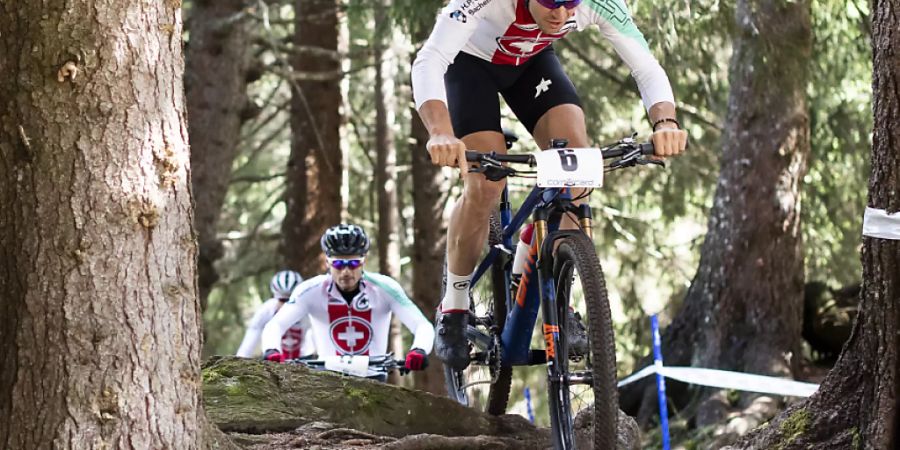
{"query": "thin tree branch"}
(259, 148)
(267, 120)
(251, 236)
(293, 75)
(256, 178)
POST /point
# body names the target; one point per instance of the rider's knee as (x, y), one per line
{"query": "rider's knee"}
(483, 192)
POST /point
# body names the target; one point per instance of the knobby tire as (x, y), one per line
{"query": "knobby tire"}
(577, 253)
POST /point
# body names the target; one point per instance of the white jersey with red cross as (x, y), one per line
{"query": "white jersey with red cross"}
(358, 327)
(295, 341)
(504, 32)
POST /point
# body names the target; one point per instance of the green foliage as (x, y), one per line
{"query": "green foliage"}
(840, 103)
(250, 222)
(416, 17)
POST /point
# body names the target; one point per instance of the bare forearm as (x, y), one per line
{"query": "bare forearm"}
(436, 117)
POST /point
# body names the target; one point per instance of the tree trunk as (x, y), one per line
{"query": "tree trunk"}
(217, 64)
(386, 168)
(313, 194)
(856, 406)
(743, 309)
(429, 193)
(386, 153)
(99, 318)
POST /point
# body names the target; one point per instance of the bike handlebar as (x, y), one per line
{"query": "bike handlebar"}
(614, 151)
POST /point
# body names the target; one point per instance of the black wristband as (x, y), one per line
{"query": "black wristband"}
(664, 120)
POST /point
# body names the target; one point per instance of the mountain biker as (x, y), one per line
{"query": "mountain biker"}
(295, 341)
(350, 309)
(481, 48)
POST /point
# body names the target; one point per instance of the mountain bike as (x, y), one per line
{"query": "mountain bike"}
(562, 278)
(373, 367)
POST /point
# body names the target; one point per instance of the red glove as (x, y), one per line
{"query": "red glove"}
(416, 359)
(273, 355)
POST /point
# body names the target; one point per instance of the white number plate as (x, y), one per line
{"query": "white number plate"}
(352, 365)
(570, 167)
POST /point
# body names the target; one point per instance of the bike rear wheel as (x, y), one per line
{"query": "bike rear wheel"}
(484, 386)
(580, 285)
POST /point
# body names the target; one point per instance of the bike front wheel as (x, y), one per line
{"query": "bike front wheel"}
(586, 354)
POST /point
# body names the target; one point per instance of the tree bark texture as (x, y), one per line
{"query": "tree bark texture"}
(386, 168)
(99, 319)
(743, 309)
(857, 404)
(217, 65)
(386, 153)
(429, 193)
(313, 194)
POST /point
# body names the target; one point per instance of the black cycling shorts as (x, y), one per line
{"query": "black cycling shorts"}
(530, 90)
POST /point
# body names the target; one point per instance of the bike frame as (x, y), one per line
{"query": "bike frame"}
(547, 205)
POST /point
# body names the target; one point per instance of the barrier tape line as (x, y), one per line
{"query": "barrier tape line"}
(877, 223)
(728, 380)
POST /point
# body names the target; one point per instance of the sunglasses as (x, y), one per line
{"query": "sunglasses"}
(553, 4)
(341, 264)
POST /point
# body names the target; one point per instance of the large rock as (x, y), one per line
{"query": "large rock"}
(627, 430)
(250, 396)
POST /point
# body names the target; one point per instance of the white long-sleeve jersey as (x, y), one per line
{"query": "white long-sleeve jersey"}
(295, 341)
(503, 32)
(361, 327)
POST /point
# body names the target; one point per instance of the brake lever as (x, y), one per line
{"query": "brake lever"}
(655, 162)
(493, 172)
(629, 160)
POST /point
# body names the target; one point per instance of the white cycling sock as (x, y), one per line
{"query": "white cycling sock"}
(456, 298)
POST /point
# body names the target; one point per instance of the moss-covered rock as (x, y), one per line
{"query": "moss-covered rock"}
(251, 396)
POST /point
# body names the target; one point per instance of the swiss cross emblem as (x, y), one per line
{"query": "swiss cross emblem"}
(291, 341)
(351, 335)
(518, 46)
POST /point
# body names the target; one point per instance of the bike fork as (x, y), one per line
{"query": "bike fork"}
(555, 382)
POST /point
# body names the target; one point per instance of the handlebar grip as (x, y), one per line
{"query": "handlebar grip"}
(647, 148)
(472, 156)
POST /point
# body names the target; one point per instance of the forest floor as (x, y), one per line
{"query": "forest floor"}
(325, 436)
(239, 396)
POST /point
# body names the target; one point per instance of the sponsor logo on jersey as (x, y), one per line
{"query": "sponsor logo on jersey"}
(459, 16)
(460, 285)
(473, 6)
(542, 87)
(362, 304)
(612, 10)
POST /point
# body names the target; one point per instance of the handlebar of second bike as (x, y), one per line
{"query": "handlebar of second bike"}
(382, 362)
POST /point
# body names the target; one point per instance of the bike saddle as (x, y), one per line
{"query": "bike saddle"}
(510, 137)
